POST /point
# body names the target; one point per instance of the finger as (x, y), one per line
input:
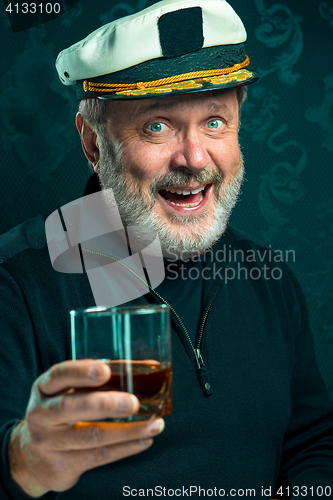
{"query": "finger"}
(84, 460)
(90, 435)
(70, 408)
(80, 373)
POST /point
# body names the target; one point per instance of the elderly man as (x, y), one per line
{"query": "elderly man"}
(161, 93)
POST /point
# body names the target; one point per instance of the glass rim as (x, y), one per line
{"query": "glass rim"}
(108, 311)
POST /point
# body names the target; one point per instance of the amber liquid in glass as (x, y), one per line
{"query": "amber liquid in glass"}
(149, 380)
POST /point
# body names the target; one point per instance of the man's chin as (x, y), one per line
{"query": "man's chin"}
(189, 240)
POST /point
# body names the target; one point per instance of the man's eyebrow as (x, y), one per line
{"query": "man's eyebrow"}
(213, 106)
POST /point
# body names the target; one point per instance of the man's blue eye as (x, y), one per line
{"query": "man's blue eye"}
(214, 123)
(156, 127)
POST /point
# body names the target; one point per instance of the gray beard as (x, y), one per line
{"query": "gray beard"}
(136, 207)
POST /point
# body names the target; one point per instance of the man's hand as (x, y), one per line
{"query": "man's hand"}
(49, 450)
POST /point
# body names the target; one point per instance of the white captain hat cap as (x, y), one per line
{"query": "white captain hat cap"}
(172, 47)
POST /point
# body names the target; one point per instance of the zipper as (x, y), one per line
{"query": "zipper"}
(200, 364)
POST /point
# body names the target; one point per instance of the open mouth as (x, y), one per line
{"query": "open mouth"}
(185, 197)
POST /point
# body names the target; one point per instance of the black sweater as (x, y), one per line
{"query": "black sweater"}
(266, 420)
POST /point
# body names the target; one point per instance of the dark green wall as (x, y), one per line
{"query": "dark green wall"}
(287, 134)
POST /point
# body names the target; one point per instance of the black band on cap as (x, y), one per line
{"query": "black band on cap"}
(181, 31)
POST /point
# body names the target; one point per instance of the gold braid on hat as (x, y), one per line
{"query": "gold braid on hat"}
(120, 87)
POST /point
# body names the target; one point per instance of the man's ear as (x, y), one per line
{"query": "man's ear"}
(88, 139)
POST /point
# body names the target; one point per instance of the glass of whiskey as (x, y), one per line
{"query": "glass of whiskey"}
(135, 341)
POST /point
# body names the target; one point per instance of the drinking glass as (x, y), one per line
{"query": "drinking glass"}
(135, 341)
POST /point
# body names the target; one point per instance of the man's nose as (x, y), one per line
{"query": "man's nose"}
(190, 152)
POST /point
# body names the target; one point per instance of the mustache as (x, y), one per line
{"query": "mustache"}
(178, 179)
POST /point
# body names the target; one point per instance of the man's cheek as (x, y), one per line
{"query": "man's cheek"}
(143, 173)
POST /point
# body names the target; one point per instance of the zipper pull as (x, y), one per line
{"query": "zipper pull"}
(199, 359)
(203, 373)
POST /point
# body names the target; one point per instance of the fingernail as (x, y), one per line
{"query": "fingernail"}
(157, 426)
(97, 372)
(145, 443)
(128, 404)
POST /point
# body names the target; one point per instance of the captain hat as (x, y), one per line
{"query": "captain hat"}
(172, 47)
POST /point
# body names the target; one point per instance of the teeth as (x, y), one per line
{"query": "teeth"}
(186, 191)
(187, 205)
